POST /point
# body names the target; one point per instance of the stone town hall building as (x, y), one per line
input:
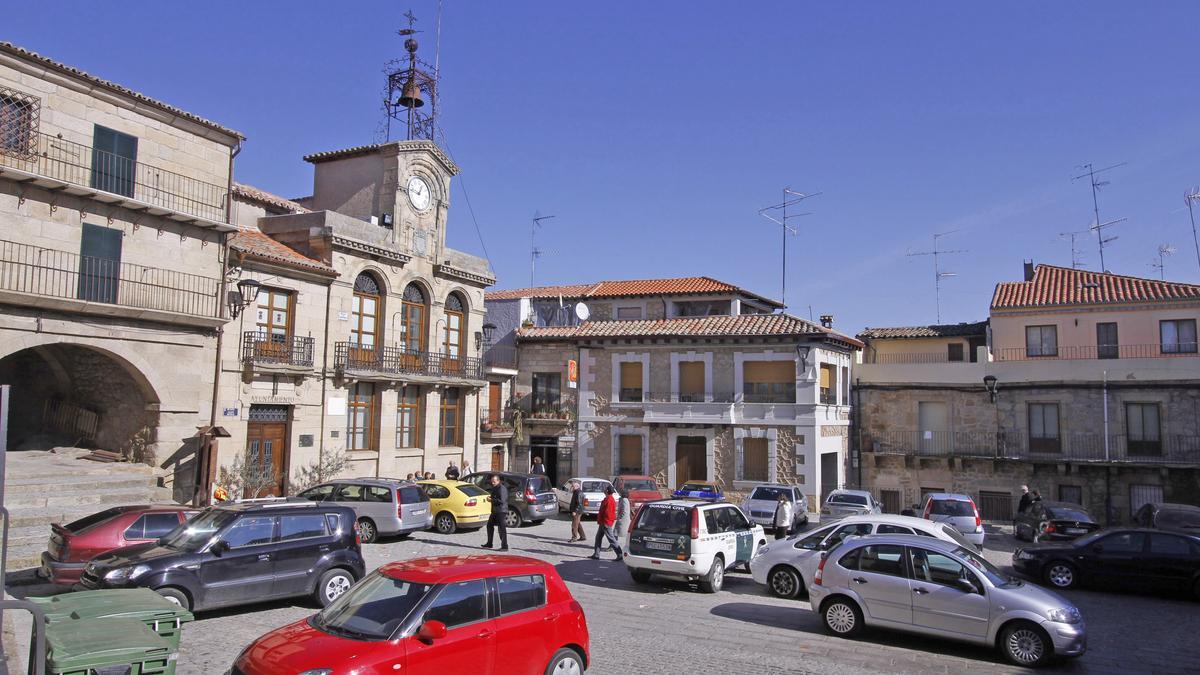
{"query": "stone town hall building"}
(126, 246)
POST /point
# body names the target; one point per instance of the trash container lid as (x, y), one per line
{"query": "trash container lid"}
(78, 645)
(134, 603)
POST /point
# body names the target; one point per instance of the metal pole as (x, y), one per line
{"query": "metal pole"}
(1104, 389)
(1192, 216)
(1096, 209)
(783, 274)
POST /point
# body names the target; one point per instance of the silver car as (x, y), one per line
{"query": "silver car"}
(943, 589)
(842, 503)
(760, 506)
(591, 492)
(382, 506)
(786, 567)
(957, 510)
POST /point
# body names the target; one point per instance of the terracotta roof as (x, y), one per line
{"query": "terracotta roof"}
(942, 330)
(743, 325)
(256, 245)
(113, 86)
(630, 288)
(251, 193)
(1058, 286)
(422, 144)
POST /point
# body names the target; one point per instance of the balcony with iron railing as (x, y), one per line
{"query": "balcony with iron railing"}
(273, 351)
(30, 274)
(388, 361)
(727, 408)
(1101, 352)
(1167, 449)
(54, 161)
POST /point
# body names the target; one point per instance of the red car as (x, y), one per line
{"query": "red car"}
(72, 546)
(448, 614)
(639, 489)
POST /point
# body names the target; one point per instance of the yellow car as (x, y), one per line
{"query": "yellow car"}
(455, 504)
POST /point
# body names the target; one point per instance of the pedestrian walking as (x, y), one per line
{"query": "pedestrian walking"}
(1026, 500)
(605, 521)
(538, 468)
(783, 516)
(452, 471)
(624, 513)
(499, 493)
(576, 509)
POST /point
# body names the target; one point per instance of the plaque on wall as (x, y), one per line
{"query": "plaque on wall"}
(333, 433)
(306, 440)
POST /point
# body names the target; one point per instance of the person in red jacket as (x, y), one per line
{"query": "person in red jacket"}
(605, 521)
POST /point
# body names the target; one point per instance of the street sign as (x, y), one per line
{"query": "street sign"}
(229, 412)
(572, 373)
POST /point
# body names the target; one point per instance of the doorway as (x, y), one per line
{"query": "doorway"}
(495, 405)
(545, 447)
(267, 455)
(691, 459)
(498, 458)
(829, 473)
(933, 421)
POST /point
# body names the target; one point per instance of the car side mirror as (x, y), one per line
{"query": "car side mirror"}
(219, 547)
(965, 585)
(431, 630)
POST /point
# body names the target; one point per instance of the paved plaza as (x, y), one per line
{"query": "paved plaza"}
(672, 628)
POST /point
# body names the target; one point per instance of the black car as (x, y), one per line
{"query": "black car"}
(1053, 521)
(1126, 558)
(1177, 517)
(531, 497)
(241, 553)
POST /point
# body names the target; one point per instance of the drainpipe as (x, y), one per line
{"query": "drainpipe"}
(324, 373)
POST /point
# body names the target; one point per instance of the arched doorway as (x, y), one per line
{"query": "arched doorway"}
(79, 396)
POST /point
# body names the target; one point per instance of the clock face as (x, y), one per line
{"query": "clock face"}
(418, 193)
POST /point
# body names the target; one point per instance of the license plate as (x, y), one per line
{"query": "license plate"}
(658, 546)
(1075, 530)
(420, 513)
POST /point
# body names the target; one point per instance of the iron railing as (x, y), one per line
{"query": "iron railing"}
(60, 274)
(1085, 352)
(393, 360)
(84, 165)
(689, 397)
(1173, 449)
(828, 396)
(913, 357)
(283, 350)
(500, 357)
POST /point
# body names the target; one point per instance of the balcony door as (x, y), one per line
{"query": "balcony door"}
(933, 418)
(1106, 341)
(273, 323)
(495, 404)
(414, 315)
(114, 161)
(99, 264)
(453, 348)
(365, 309)
(691, 459)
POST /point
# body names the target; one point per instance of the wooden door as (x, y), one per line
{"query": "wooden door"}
(495, 407)
(690, 460)
(266, 448)
(365, 329)
(497, 458)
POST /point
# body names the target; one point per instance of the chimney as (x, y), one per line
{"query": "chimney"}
(1028, 270)
(827, 320)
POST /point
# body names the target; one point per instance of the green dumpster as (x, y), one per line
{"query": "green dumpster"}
(106, 647)
(160, 615)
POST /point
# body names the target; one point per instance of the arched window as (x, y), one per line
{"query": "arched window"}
(365, 310)
(456, 319)
(414, 315)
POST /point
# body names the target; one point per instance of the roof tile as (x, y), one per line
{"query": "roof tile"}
(255, 244)
(938, 330)
(629, 288)
(1054, 286)
(251, 193)
(743, 325)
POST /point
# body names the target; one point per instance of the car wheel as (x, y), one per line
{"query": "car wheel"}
(715, 579)
(445, 523)
(1024, 644)
(332, 585)
(784, 582)
(639, 576)
(367, 531)
(512, 519)
(176, 597)
(1061, 574)
(841, 617)
(565, 661)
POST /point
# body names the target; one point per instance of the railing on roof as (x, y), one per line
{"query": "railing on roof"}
(63, 160)
(396, 360)
(914, 358)
(61, 274)
(1085, 352)
(1168, 449)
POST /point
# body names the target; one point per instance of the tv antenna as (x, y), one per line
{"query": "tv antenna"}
(1164, 250)
(534, 251)
(1076, 253)
(790, 198)
(938, 273)
(1189, 197)
(1096, 185)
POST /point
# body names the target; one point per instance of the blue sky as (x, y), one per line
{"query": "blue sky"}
(655, 131)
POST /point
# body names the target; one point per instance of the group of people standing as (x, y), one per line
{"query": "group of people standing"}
(452, 472)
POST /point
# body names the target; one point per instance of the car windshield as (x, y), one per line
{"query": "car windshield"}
(193, 535)
(665, 519)
(696, 487)
(987, 569)
(372, 609)
(1186, 519)
(640, 484)
(88, 522)
(471, 490)
(955, 508)
(844, 498)
(594, 486)
(771, 493)
(1062, 513)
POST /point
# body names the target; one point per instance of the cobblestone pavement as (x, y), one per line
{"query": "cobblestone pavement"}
(675, 629)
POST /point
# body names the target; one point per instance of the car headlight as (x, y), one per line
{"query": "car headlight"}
(119, 575)
(1064, 615)
(137, 571)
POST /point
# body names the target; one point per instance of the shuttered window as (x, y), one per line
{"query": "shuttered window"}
(769, 381)
(630, 451)
(114, 161)
(691, 381)
(631, 381)
(754, 459)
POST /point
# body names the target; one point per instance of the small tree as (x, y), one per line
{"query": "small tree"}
(247, 478)
(331, 463)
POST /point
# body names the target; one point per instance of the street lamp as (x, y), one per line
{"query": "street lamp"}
(989, 383)
(802, 352)
(243, 297)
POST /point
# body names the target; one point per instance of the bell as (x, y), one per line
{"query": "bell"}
(411, 96)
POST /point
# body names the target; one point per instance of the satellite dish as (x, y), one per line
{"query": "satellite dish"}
(582, 311)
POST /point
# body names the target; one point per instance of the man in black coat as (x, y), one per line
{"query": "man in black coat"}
(452, 471)
(499, 492)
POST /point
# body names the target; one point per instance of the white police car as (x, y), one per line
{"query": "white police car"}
(691, 540)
